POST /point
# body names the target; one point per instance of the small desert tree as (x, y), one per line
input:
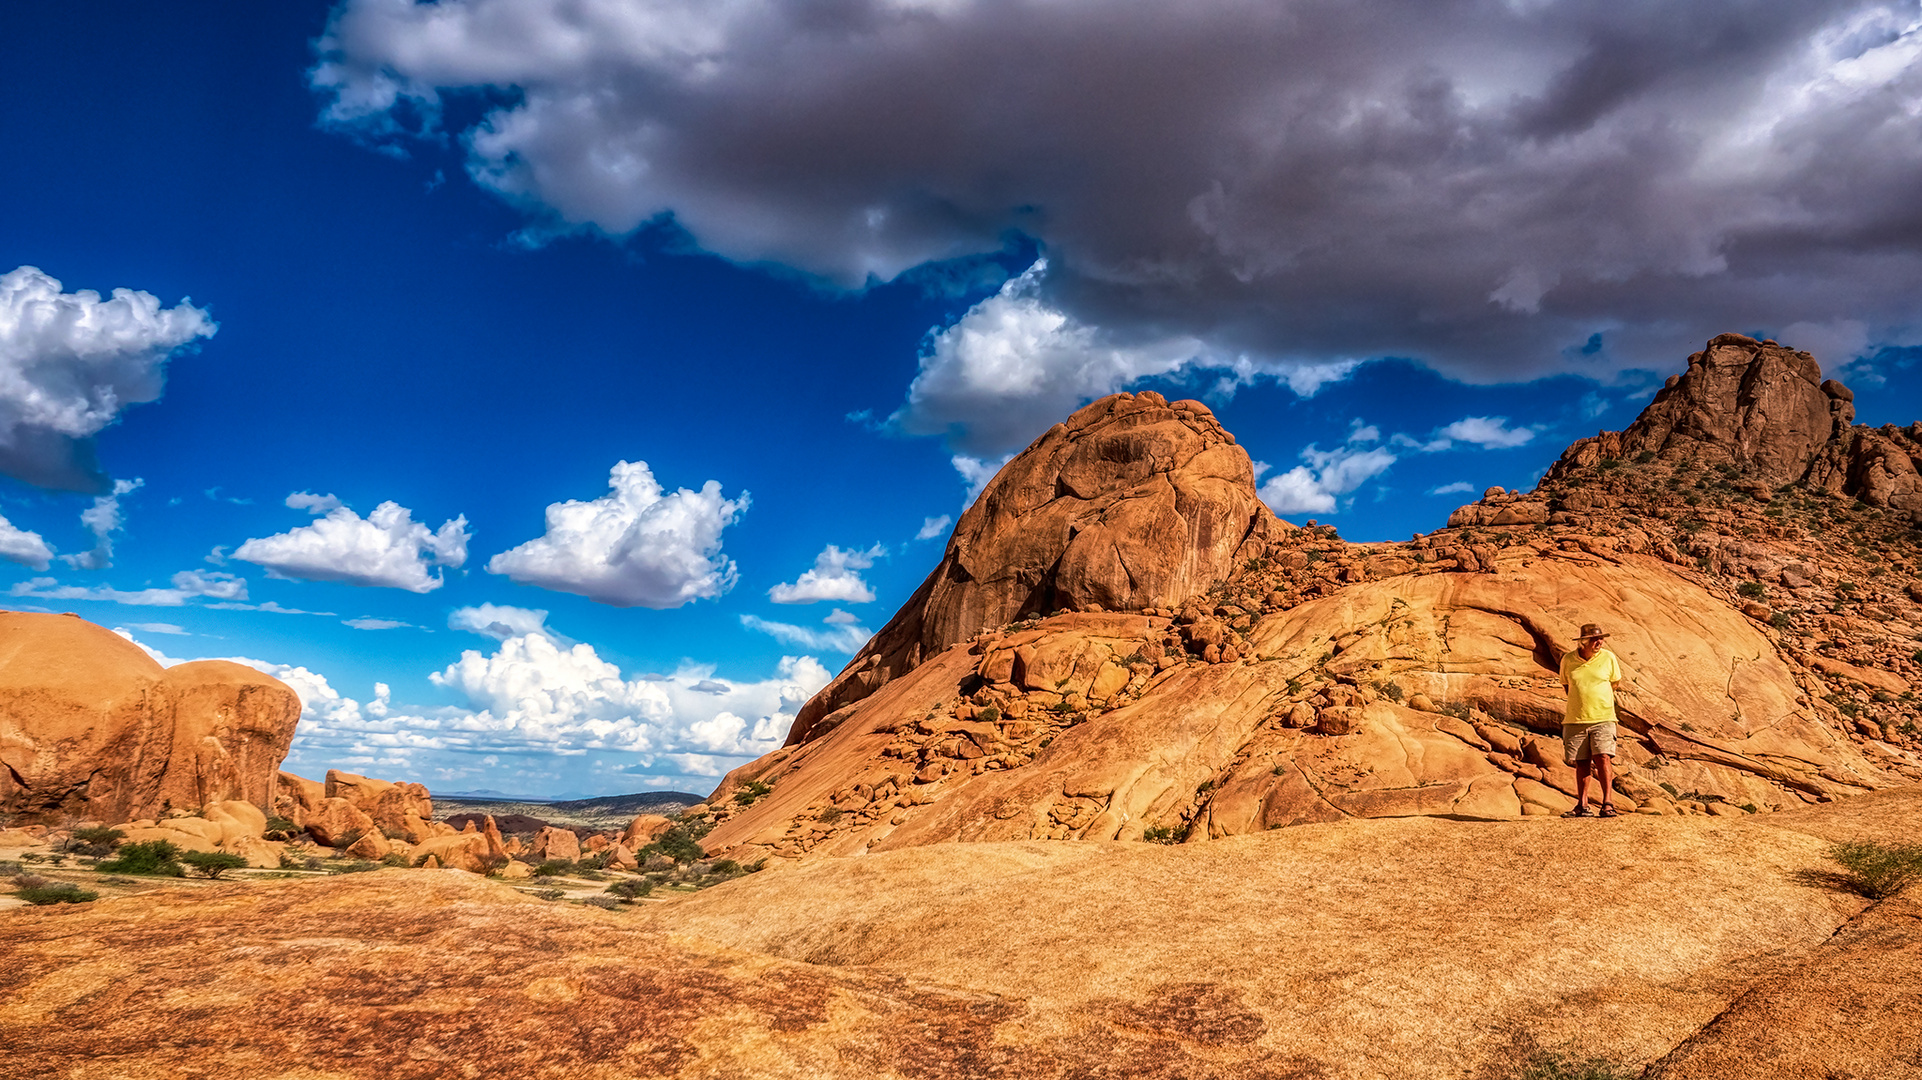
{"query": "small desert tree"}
(212, 864)
(147, 857)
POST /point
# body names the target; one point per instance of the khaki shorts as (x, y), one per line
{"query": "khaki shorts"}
(1583, 741)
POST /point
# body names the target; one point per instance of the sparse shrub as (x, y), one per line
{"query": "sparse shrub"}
(1611, 463)
(212, 864)
(1779, 620)
(394, 858)
(358, 866)
(989, 715)
(312, 863)
(605, 903)
(631, 888)
(1390, 690)
(750, 792)
(828, 815)
(1644, 457)
(99, 834)
(348, 839)
(1752, 589)
(288, 862)
(549, 894)
(30, 881)
(159, 857)
(1877, 870)
(1161, 834)
(63, 892)
(279, 828)
(1551, 1065)
(554, 868)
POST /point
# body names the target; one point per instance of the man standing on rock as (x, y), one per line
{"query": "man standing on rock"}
(1591, 675)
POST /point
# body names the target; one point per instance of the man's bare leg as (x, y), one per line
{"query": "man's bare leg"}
(1604, 767)
(1582, 769)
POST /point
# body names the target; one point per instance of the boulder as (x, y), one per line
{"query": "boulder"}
(1131, 503)
(336, 822)
(92, 727)
(461, 851)
(644, 830)
(296, 796)
(237, 821)
(260, 854)
(620, 858)
(552, 844)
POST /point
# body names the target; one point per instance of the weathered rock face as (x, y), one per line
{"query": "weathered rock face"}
(1131, 503)
(1765, 411)
(93, 727)
(1318, 680)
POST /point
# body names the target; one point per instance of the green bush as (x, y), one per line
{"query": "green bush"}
(358, 866)
(160, 857)
(63, 892)
(1877, 870)
(554, 868)
(605, 903)
(989, 715)
(212, 864)
(1161, 834)
(678, 843)
(279, 828)
(750, 792)
(1549, 1065)
(99, 834)
(631, 888)
(395, 858)
(1754, 590)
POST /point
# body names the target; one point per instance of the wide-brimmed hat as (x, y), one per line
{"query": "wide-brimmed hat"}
(1590, 630)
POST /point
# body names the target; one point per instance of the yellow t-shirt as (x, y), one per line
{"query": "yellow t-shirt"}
(1591, 686)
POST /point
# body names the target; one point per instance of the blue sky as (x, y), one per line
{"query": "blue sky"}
(820, 267)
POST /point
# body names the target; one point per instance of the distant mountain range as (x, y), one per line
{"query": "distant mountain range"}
(633, 803)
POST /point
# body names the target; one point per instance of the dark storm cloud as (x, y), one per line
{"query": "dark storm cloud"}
(1483, 185)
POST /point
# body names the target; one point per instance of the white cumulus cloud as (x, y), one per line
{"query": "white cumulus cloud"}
(71, 363)
(636, 546)
(836, 575)
(27, 548)
(1014, 365)
(387, 548)
(1487, 432)
(933, 527)
(1316, 487)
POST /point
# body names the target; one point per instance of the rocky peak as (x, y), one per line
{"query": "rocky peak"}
(1757, 405)
(1130, 503)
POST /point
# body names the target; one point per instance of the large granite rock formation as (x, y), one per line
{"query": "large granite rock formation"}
(1131, 503)
(1305, 679)
(1764, 410)
(92, 727)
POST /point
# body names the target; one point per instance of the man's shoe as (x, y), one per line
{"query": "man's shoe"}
(1608, 810)
(1580, 811)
